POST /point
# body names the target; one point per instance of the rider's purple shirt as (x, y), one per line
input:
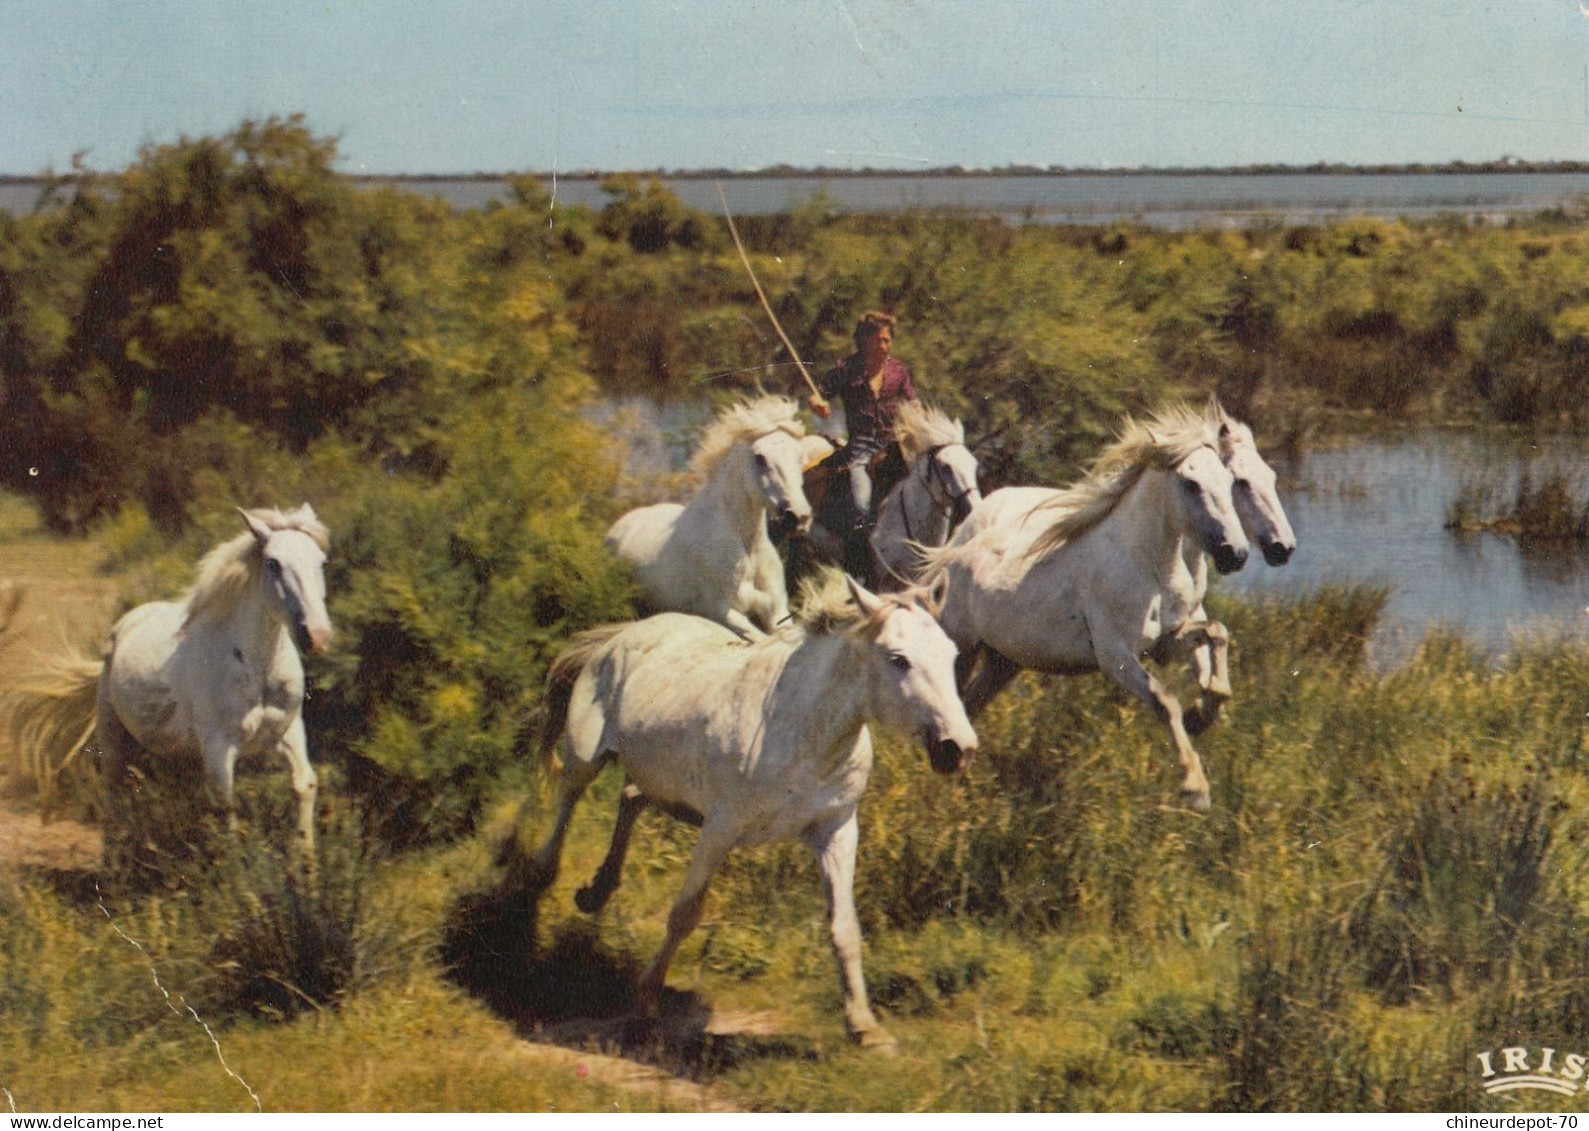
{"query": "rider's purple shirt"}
(870, 419)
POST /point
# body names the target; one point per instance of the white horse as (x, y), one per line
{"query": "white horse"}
(1263, 520)
(1095, 576)
(937, 492)
(713, 557)
(755, 742)
(215, 675)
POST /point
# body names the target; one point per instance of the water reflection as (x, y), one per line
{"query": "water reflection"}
(1374, 510)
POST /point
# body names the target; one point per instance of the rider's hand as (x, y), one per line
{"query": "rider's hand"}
(820, 407)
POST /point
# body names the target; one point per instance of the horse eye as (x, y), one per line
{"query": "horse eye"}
(899, 661)
(761, 460)
(273, 565)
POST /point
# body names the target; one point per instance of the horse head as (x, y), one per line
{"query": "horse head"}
(1257, 502)
(934, 443)
(913, 673)
(293, 553)
(950, 471)
(1204, 487)
(776, 463)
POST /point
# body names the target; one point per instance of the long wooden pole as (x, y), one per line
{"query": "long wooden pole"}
(765, 305)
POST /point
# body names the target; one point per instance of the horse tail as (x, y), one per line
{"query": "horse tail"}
(47, 716)
(560, 680)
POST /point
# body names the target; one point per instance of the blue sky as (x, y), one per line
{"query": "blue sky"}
(435, 86)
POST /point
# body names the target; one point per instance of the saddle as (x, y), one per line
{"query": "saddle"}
(832, 506)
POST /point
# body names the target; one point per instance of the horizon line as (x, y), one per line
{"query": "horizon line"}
(1504, 164)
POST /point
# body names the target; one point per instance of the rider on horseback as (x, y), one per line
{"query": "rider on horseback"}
(872, 384)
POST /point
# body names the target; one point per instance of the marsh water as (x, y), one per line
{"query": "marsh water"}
(1374, 510)
(1159, 199)
(1162, 200)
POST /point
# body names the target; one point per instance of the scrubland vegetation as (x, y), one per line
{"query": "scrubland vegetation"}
(1392, 878)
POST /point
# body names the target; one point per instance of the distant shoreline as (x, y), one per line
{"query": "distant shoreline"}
(1456, 168)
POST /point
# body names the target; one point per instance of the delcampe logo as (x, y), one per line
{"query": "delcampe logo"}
(1543, 1069)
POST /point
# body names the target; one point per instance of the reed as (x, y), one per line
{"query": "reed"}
(1548, 509)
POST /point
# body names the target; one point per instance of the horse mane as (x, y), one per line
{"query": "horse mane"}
(227, 571)
(826, 608)
(1171, 435)
(745, 420)
(920, 428)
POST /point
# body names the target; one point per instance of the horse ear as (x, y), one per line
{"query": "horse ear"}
(1216, 415)
(259, 529)
(869, 602)
(931, 597)
(306, 513)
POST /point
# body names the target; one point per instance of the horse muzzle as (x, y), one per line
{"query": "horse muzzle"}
(948, 756)
(1229, 559)
(1277, 553)
(316, 639)
(790, 521)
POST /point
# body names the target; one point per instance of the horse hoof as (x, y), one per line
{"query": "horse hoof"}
(1198, 799)
(877, 1040)
(589, 900)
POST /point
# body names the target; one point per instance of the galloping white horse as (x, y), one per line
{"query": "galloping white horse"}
(1263, 520)
(1095, 577)
(713, 557)
(215, 675)
(938, 491)
(755, 742)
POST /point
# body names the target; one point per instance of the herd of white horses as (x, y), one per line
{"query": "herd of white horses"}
(725, 707)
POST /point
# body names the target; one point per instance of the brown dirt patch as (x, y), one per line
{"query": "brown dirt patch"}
(26, 840)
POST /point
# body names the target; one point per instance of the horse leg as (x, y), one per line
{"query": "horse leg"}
(835, 851)
(537, 874)
(305, 783)
(1127, 670)
(1211, 661)
(220, 764)
(710, 852)
(797, 561)
(993, 675)
(741, 624)
(1206, 643)
(772, 591)
(594, 896)
(117, 748)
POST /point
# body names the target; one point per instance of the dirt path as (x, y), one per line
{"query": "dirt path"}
(631, 1075)
(60, 845)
